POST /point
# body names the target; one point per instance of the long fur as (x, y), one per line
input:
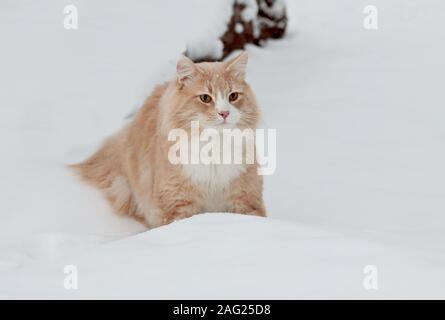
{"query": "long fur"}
(132, 167)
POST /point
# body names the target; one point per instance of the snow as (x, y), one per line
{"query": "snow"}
(205, 43)
(360, 179)
(276, 10)
(250, 11)
(210, 47)
(219, 256)
(239, 28)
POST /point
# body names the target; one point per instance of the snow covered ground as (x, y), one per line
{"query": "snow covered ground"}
(360, 177)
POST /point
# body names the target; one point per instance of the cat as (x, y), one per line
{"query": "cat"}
(132, 166)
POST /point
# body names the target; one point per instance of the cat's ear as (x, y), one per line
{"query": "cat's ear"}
(185, 69)
(237, 66)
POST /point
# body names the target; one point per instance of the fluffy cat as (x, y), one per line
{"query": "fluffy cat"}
(132, 166)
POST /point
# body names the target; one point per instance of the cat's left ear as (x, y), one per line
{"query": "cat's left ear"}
(185, 69)
(237, 66)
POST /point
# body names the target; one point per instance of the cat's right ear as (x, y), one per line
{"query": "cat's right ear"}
(185, 70)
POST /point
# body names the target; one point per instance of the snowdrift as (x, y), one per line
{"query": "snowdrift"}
(217, 256)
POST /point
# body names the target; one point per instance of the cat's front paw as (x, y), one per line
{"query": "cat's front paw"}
(258, 213)
(159, 219)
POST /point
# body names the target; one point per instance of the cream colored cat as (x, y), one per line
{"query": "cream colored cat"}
(132, 166)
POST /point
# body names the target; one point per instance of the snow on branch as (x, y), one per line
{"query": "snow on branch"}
(251, 21)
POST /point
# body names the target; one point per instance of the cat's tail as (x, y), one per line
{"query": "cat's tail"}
(101, 168)
(104, 170)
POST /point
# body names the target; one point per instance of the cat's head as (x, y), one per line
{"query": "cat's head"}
(215, 94)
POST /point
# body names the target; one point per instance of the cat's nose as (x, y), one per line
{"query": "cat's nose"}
(224, 114)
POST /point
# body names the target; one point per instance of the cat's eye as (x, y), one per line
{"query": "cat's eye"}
(233, 96)
(205, 98)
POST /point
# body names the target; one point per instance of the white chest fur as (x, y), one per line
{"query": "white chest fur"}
(212, 177)
(213, 180)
